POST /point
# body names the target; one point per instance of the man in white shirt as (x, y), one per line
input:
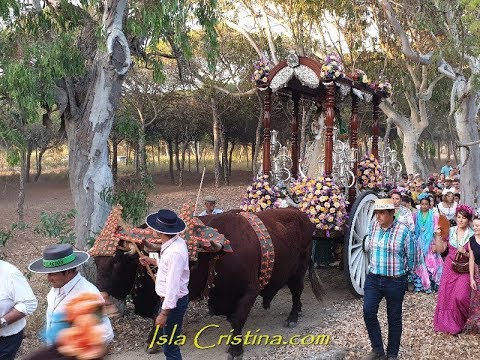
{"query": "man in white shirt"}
(172, 278)
(210, 207)
(60, 264)
(16, 302)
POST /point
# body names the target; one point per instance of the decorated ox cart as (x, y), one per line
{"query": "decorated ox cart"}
(333, 184)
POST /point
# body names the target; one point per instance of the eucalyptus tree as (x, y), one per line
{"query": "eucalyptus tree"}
(78, 53)
(455, 54)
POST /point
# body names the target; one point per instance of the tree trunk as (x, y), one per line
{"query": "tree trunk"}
(142, 153)
(413, 162)
(170, 161)
(127, 154)
(89, 117)
(216, 141)
(182, 163)
(177, 154)
(114, 159)
(230, 158)
(21, 188)
(39, 165)
(454, 150)
(467, 130)
(28, 162)
(224, 145)
(197, 156)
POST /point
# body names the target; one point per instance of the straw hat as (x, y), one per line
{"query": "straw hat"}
(210, 198)
(384, 204)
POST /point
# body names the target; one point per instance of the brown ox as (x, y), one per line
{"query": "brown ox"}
(236, 283)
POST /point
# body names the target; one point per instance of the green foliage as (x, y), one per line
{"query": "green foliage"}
(170, 22)
(14, 141)
(57, 225)
(133, 198)
(125, 126)
(7, 234)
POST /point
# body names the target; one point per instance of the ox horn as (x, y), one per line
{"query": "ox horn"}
(131, 252)
(215, 247)
(150, 246)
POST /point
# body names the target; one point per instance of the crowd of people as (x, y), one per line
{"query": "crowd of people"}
(423, 239)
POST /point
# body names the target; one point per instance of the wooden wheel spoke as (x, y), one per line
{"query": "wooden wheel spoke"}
(361, 216)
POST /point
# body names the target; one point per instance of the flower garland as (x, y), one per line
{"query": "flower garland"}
(361, 76)
(369, 173)
(323, 202)
(261, 195)
(383, 86)
(262, 69)
(332, 67)
(83, 339)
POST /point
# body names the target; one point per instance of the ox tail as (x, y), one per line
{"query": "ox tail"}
(317, 285)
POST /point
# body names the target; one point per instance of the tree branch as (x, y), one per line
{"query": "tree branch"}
(414, 112)
(414, 77)
(268, 31)
(400, 32)
(427, 95)
(245, 34)
(446, 69)
(398, 119)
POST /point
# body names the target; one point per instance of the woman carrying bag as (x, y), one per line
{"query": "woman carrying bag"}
(453, 299)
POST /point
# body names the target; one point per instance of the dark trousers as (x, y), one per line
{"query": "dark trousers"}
(175, 316)
(9, 345)
(393, 290)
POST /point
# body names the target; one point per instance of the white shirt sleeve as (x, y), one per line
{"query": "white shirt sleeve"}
(25, 300)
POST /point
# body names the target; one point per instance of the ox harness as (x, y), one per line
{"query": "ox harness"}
(267, 260)
(266, 246)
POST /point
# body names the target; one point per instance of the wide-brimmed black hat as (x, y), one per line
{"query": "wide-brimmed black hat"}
(166, 222)
(59, 257)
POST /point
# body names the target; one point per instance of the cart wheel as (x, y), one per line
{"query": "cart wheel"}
(355, 256)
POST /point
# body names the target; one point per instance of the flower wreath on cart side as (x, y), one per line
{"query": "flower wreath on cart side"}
(261, 195)
(369, 173)
(323, 201)
(332, 67)
(262, 70)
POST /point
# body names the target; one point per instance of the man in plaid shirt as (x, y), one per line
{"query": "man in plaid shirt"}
(392, 254)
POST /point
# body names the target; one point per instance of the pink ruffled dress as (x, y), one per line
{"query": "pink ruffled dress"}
(453, 300)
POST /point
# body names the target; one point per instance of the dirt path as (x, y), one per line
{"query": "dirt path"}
(268, 322)
(53, 195)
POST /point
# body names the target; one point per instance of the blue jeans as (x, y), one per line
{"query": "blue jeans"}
(9, 345)
(175, 316)
(393, 290)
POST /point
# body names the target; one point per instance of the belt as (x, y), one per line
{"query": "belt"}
(390, 277)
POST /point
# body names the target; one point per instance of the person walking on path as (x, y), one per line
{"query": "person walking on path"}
(16, 302)
(428, 271)
(59, 263)
(453, 299)
(392, 256)
(446, 168)
(210, 208)
(172, 278)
